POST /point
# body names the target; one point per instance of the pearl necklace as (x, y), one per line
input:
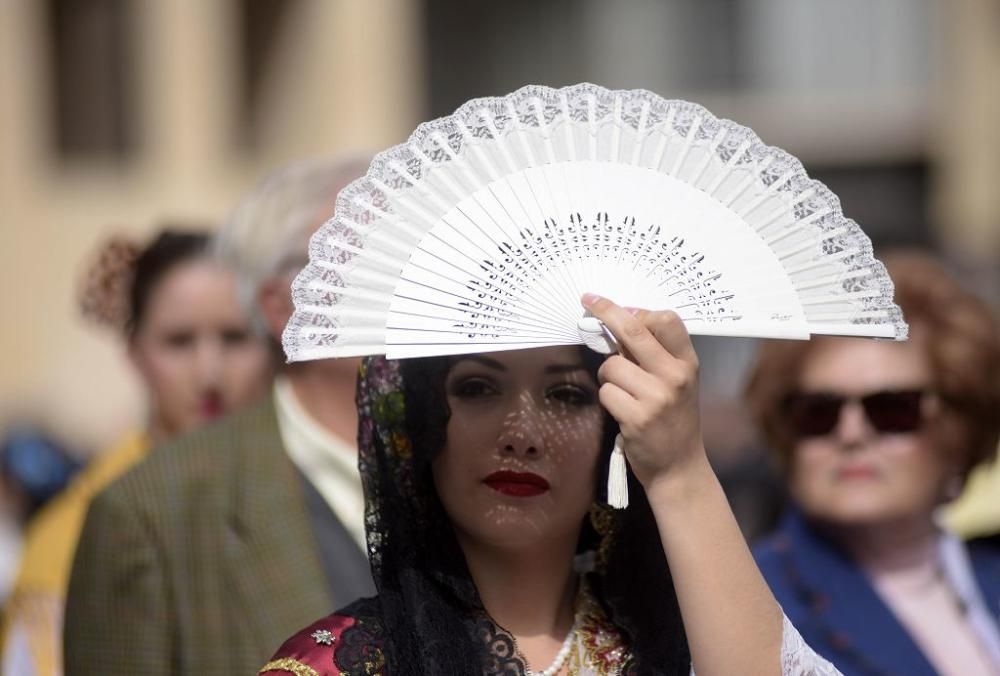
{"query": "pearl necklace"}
(561, 656)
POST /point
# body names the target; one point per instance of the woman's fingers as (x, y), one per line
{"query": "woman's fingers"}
(655, 396)
(645, 335)
(629, 330)
(619, 403)
(671, 333)
(627, 375)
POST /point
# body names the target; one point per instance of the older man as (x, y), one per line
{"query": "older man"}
(208, 555)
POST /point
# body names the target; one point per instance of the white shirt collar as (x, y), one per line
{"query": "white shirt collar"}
(327, 461)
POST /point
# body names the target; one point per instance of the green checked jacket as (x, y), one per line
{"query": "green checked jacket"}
(201, 560)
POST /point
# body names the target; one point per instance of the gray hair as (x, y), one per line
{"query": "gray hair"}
(267, 235)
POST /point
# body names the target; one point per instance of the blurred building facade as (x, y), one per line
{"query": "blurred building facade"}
(115, 114)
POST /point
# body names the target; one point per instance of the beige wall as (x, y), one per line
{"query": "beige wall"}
(346, 76)
(967, 147)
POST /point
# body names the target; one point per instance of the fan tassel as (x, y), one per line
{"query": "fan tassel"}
(617, 476)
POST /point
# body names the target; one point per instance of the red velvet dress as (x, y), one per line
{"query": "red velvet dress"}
(347, 643)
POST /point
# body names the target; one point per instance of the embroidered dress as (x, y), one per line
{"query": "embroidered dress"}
(341, 644)
(428, 619)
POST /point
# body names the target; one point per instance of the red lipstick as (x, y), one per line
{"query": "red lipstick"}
(856, 472)
(210, 406)
(517, 484)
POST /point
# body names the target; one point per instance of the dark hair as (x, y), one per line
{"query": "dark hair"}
(168, 250)
(961, 340)
(633, 581)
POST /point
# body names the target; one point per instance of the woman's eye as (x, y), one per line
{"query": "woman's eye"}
(235, 336)
(179, 339)
(574, 395)
(471, 388)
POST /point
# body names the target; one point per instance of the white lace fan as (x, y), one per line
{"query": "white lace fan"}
(482, 231)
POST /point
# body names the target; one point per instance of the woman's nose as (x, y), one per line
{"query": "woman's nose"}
(209, 362)
(522, 433)
(853, 427)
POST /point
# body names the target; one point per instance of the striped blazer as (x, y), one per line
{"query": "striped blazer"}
(202, 560)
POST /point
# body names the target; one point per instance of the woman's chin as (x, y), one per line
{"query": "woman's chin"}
(517, 523)
(515, 529)
(858, 513)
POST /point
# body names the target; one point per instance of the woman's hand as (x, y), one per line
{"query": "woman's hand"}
(732, 622)
(652, 390)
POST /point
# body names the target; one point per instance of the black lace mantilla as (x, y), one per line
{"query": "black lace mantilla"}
(502, 658)
(427, 619)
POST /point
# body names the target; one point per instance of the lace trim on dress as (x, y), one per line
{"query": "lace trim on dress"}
(798, 659)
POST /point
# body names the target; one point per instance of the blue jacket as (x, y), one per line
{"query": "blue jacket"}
(837, 611)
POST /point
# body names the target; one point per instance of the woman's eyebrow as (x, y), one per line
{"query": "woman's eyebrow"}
(564, 368)
(485, 361)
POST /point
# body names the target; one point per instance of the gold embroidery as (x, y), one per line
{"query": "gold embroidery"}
(374, 666)
(603, 519)
(289, 665)
(604, 650)
(598, 647)
(574, 664)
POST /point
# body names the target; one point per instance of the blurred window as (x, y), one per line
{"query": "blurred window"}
(260, 25)
(842, 85)
(94, 105)
(889, 200)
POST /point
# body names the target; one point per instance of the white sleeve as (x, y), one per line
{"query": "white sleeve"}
(797, 658)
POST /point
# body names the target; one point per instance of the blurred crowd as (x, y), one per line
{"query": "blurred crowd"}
(873, 513)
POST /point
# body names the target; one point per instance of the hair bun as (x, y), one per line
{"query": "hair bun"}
(104, 295)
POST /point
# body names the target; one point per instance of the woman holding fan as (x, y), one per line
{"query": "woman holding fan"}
(493, 551)
(486, 448)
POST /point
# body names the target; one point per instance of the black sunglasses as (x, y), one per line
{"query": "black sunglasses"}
(814, 414)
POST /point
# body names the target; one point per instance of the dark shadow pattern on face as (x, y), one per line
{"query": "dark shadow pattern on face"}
(517, 468)
(427, 412)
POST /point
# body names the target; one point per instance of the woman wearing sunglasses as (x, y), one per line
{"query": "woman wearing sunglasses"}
(873, 437)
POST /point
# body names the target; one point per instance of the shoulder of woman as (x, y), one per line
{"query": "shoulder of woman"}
(310, 652)
(333, 645)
